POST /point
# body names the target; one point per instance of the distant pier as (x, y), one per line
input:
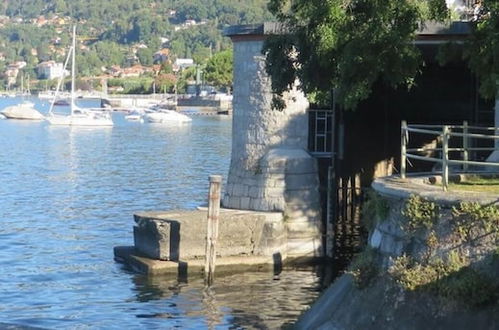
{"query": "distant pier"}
(208, 104)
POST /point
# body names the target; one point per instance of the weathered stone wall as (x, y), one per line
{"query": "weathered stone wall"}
(391, 238)
(257, 128)
(270, 169)
(384, 303)
(181, 235)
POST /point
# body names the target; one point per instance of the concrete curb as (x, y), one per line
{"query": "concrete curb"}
(397, 188)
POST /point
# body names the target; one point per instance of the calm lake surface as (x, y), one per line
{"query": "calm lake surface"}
(67, 196)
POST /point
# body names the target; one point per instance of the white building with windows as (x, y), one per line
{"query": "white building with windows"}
(51, 70)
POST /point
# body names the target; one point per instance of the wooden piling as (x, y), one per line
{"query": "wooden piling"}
(212, 226)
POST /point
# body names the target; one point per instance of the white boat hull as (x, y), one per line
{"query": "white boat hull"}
(22, 111)
(83, 119)
(167, 116)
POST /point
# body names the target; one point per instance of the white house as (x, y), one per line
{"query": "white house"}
(183, 63)
(51, 70)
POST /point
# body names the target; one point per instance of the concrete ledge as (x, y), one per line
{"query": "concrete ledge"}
(129, 256)
(181, 235)
(395, 187)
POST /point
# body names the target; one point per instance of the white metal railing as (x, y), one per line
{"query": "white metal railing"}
(320, 129)
(443, 134)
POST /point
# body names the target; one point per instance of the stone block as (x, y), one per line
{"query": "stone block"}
(257, 204)
(255, 192)
(391, 228)
(391, 245)
(271, 192)
(296, 210)
(302, 181)
(375, 240)
(278, 183)
(310, 196)
(157, 239)
(245, 203)
(182, 235)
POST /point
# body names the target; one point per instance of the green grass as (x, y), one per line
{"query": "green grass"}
(477, 184)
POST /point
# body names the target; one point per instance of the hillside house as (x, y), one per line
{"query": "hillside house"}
(51, 70)
(161, 55)
(183, 63)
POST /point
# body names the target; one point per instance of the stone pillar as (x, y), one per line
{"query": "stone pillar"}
(270, 168)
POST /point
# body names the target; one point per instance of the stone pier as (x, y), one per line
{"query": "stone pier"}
(271, 207)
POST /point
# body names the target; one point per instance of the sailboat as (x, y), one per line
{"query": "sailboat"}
(77, 116)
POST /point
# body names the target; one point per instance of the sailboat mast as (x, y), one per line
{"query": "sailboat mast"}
(73, 71)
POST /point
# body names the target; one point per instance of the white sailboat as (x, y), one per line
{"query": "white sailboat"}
(77, 116)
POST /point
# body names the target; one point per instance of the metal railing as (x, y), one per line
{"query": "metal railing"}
(443, 134)
(321, 124)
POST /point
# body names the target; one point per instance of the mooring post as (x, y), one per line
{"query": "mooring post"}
(212, 226)
(403, 148)
(445, 157)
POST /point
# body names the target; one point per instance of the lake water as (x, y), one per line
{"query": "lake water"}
(67, 196)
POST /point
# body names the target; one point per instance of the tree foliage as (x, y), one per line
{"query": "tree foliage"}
(110, 29)
(218, 70)
(347, 45)
(482, 51)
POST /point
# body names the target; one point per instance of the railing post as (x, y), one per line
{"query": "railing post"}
(445, 157)
(212, 226)
(465, 145)
(403, 148)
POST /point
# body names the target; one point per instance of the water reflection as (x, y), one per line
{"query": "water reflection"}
(257, 300)
(67, 196)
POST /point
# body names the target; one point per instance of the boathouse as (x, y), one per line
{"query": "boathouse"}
(351, 148)
(297, 177)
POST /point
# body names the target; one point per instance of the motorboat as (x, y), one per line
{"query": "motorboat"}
(166, 116)
(25, 111)
(77, 116)
(135, 115)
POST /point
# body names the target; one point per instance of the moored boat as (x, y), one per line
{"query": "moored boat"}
(77, 116)
(25, 111)
(167, 116)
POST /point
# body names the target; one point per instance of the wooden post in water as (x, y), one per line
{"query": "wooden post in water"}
(212, 226)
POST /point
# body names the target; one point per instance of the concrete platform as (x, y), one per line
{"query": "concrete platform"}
(129, 256)
(395, 187)
(173, 242)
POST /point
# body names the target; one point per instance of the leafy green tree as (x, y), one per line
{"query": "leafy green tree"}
(218, 70)
(166, 68)
(347, 45)
(145, 56)
(109, 52)
(482, 50)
